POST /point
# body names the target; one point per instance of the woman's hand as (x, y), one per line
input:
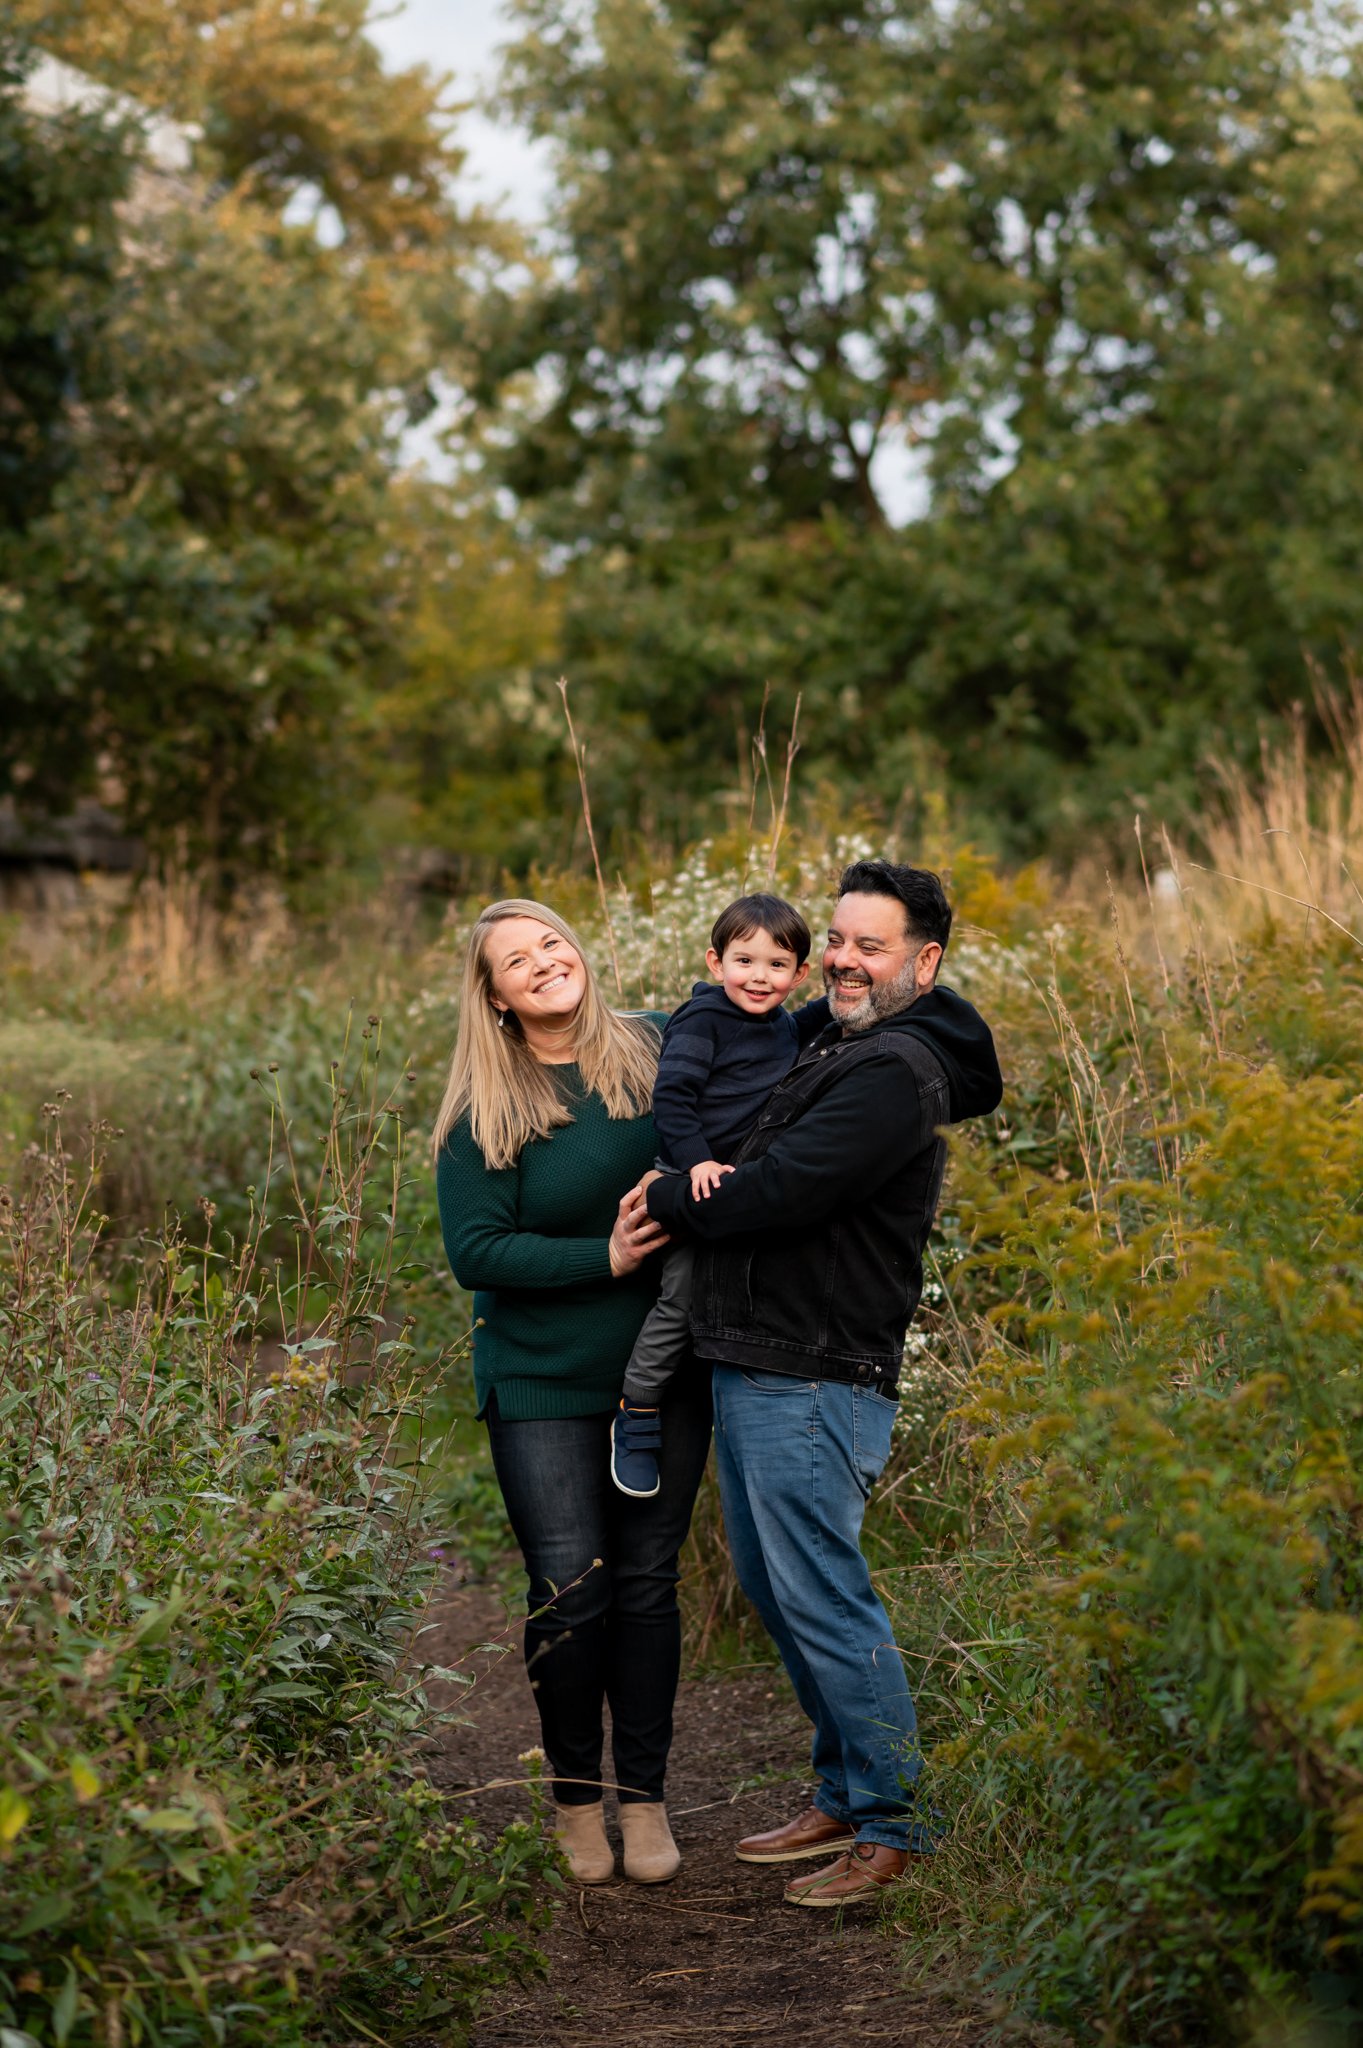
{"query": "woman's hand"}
(635, 1234)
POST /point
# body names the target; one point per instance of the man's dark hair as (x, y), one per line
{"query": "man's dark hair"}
(927, 914)
(780, 921)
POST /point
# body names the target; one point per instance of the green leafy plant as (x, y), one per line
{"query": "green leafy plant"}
(1149, 1742)
(215, 1821)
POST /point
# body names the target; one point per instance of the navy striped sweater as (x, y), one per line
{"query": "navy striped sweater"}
(718, 1066)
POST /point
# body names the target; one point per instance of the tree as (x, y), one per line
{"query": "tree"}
(469, 731)
(292, 101)
(58, 251)
(208, 595)
(1149, 583)
(1071, 256)
(220, 581)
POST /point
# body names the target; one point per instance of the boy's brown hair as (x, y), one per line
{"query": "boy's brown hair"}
(780, 921)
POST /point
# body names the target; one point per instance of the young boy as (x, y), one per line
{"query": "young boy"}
(723, 1053)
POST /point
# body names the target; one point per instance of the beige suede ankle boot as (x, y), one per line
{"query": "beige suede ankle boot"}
(651, 1855)
(580, 1832)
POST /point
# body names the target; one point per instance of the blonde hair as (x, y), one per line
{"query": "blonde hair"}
(495, 1080)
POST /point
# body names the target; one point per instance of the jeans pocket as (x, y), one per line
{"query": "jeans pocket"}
(773, 1382)
(872, 1425)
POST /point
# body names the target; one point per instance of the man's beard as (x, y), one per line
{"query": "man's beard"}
(881, 999)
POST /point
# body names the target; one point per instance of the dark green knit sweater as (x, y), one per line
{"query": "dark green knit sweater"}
(530, 1243)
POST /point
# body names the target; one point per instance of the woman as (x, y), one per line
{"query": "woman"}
(544, 1130)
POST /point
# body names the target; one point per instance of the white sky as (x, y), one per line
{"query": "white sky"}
(461, 37)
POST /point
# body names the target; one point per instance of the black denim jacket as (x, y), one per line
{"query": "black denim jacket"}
(811, 1253)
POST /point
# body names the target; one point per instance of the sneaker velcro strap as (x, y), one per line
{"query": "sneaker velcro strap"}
(639, 1429)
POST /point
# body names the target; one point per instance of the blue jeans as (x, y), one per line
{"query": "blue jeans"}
(603, 1625)
(797, 1460)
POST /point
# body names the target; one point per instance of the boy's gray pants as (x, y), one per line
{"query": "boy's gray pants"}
(665, 1339)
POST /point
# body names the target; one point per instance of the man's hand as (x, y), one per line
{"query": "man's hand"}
(706, 1177)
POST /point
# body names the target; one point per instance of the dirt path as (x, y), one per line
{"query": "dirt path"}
(712, 1958)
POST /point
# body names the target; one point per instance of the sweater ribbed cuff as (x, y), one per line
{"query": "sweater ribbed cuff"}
(590, 1259)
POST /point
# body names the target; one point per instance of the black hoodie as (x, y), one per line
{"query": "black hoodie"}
(811, 1259)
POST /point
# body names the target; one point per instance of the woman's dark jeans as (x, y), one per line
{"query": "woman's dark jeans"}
(603, 1621)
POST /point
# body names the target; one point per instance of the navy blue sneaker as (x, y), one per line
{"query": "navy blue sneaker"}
(636, 1439)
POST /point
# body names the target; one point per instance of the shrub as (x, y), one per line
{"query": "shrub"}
(214, 1818)
(1158, 1780)
(1118, 1537)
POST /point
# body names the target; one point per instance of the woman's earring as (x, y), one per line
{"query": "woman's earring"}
(501, 1020)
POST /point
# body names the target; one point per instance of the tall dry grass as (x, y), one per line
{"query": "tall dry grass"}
(1280, 848)
(1091, 1393)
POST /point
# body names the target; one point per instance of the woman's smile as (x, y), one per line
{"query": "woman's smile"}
(535, 972)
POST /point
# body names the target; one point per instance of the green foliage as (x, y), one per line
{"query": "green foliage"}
(1096, 332)
(293, 101)
(474, 768)
(1129, 1577)
(216, 555)
(1119, 1533)
(58, 243)
(214, 1817)
(210, 634)
(1106, 312)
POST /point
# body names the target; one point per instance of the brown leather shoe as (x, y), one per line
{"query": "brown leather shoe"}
(861, 1873)
(811, 1833)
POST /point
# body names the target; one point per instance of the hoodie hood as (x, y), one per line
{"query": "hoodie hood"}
(959, 1039)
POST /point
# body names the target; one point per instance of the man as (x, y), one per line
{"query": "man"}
(810, 1266)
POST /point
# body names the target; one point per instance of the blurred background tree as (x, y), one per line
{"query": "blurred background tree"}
(990, 375)
(472, 738)
(292, 102)
(212, 596)
(58, 244)
(1086, 280)
(217, 551)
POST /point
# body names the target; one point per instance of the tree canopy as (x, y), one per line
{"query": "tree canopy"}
(215, 549)
(1090, 272)
(987, 373)
(290, 98)
(58, 249)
